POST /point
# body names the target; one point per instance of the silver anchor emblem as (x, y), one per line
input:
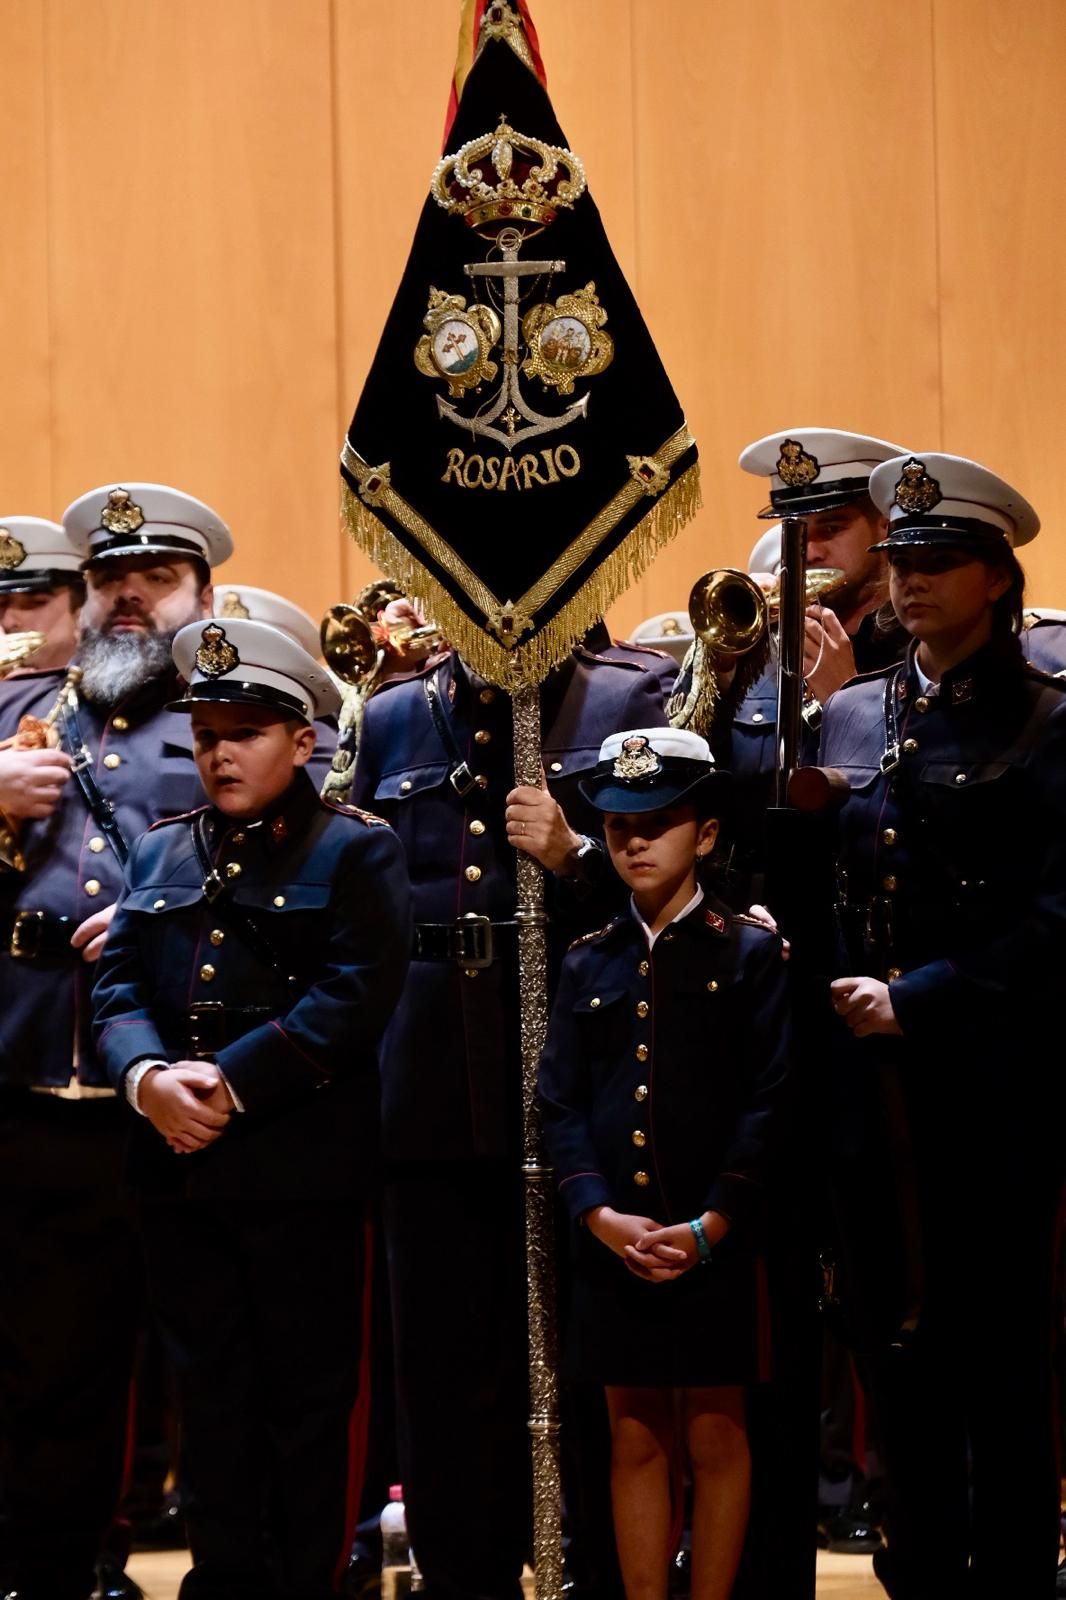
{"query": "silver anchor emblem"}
(510, 405)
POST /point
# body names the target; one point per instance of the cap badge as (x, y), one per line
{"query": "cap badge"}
(637, 760)
(216, 656)
(12, 551)
(916, 490)
(794, 466)
(121, 514)
(233, 606)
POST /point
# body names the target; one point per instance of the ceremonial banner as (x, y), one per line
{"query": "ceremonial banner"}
(517, 456)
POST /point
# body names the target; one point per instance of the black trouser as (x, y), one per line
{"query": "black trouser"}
(69, 1305)
(457, 1269)
(965, 1412)
(261, 1301)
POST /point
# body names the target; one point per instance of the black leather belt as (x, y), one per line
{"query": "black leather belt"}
(212, 1025)
(37, 936)
(469, 942)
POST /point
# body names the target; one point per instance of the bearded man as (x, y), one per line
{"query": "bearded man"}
(68, 1263)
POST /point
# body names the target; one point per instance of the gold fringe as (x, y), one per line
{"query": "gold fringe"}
(526, 664)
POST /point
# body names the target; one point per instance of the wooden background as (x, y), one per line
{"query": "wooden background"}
(845, 213)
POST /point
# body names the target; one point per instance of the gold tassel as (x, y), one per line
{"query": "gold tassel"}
(526, 664)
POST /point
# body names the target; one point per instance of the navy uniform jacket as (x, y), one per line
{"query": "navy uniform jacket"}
(952, 870)
(450, 1075)
(663, 1079)
(664, 666)
(328, 888)
(143, 764)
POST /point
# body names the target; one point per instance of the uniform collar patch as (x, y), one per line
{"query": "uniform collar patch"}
(713, 920)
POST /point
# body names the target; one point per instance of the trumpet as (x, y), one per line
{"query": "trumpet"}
(16, 648)
(355, 643)
(731, 614)
(32, 733)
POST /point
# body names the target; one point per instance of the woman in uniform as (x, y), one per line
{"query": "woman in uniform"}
(661, 1087)
(951, 873)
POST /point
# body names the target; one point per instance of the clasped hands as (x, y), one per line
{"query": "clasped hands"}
(188, 1104)
(651, 1251)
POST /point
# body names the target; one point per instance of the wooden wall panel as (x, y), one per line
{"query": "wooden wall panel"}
(193, 322)
(25, 398)
(775, 150)
(1001, 135)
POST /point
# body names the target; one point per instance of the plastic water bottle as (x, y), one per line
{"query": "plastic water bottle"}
(395, 1559)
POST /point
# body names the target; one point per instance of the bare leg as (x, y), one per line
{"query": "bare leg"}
(717, 1438)
(643, 1443)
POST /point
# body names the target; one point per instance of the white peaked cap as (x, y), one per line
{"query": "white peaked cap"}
(814, 469)
(233, 660)
(241, 600)
(934, 499)
(35, 554)
(129, 519)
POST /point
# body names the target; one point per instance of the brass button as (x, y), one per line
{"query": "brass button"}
(487, 696)
(216, 936)
(405, 787)
(483, 736)
(921, 704)
(642, 1008)
(642, 1052)
(93, 886)
(889, 836)
(472, 874)
(894, 973)
(644, 968)
(481, 781)
(279, 900)
(756, 716)
(556, 766)
(477, 828)
(157, 905)
(207, 972)
(233, 869)
(119, 724)
(112, 761)
(712, 987)
(960, 777)
(594, 1002)
(96, 844)
(641, 1180)
(909, 746)
(640, 1092)
(640, 1138)
(889, 883)
(470, 972)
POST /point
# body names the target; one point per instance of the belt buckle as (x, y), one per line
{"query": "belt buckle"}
(474, 942)
(462, 780)
(214, 885)
(80, 759)
(890, 760)
(208, 1015)
(21, 947)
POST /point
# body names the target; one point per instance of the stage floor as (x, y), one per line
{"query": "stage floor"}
(842, 1577)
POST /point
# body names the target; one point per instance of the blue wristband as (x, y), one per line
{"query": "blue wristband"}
(701, 1241)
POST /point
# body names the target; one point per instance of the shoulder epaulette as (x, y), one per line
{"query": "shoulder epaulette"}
(642, 649)
(607, 661)
(182, 816)
(1053, 680)
(347, 810)
(750, 922)
(878, 674)
(590, 938)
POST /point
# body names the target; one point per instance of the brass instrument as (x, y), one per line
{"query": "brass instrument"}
(355, 648)
(731, 615)
(16, 649)
(32, 733)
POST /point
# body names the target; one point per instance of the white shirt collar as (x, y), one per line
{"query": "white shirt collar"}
(651, 937)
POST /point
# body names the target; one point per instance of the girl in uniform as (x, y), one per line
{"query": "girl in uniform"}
(951, 868)
(662, 1084)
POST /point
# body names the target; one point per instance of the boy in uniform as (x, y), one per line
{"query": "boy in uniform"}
(259, 947)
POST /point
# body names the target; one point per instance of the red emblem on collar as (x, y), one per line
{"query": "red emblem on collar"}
(713, 920)
(278, 830)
